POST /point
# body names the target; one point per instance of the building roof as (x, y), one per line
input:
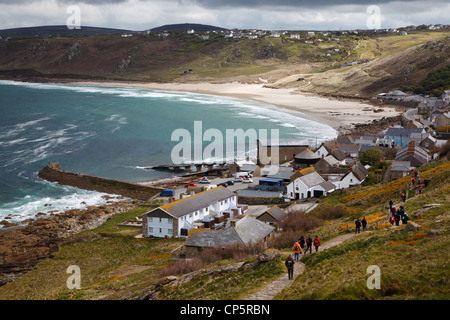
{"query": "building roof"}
(285, 175)
(196, 202)
(360, 171)
(307, 154)
(350, 148)
(247, 230)
(259, 194)
(328, 186)
(399, 131)
(312, 179)
(276, 212)
(401, 166)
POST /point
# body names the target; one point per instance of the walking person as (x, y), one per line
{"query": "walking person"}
(316, 243)
(364, 223)
(297, 249)
(289, 263)
(397, 219)
(403, 197)
(308, 244)
(357, 225)
(301, 242)
(420, 188)
(392, 219)
(391, 203)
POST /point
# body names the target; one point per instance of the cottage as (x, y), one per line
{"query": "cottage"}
(175, 219)
(247, 231)
(272, 216)
(354, 177)
(399, 169)
(309, 185)
(401, 136)
(442, 120)
(428, 143)
(416, 155)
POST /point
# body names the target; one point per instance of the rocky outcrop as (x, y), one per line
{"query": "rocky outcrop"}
(22, 247)
(53, 173)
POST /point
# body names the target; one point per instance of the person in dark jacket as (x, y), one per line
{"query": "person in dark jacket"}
(301, 241)
(308, 244)
(289, 263)
(364, 223)
(391, 203)
(397, 219)
(357, 225)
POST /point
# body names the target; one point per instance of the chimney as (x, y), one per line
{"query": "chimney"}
(411, 148)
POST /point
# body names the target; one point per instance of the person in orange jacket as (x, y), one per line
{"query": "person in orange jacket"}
(316, 243)
(297, 249)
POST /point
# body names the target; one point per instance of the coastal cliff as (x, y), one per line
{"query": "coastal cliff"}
(53, 173)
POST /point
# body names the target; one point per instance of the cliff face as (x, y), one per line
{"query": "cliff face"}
(53, 173)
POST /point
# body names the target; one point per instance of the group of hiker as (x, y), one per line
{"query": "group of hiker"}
(301, 246)
(359, 223)
(397, 215)
(416, 179)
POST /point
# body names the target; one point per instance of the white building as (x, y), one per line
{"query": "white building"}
(175, 219)
(309, 185)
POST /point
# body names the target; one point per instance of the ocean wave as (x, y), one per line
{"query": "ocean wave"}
(29, 206)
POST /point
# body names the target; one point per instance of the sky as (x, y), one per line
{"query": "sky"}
(140, 15)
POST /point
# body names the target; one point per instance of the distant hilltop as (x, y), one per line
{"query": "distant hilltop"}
(62, 30)
(186, 27)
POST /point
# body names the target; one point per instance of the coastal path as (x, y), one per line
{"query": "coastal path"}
(272, 289)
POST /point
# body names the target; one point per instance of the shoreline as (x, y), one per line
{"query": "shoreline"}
(340, 114)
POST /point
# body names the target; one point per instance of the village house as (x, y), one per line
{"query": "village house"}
(247, 231)
(399, 169)
(311, 184)
(272, 216)
(175, 219)
(416, 155)
(355, 176)
(401, 136)
(442, 120)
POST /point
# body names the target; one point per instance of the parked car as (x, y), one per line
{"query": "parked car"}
(190, 185)
(223, 184)
(167, 193)
(248, 180)
(230, 182)
(238, 179)
(204, 180)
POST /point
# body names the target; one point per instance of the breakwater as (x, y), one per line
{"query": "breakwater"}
(53, 173)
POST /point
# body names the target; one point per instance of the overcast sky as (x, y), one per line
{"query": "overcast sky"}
(253, 14)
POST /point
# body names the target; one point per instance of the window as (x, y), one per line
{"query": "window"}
(170, 231)
(170, 220)
(160, 220)
(150, 230)
(150, 219)
(160, 230)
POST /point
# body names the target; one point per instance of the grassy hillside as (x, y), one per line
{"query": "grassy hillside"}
(413, 263)
(395, 60)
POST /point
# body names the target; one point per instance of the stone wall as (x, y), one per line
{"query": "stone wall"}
(53, 173)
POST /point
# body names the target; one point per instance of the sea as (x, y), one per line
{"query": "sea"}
(115, 132)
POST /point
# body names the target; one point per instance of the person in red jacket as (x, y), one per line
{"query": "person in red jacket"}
(316, 242)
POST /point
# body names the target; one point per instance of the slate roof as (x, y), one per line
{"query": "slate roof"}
(247, 230)
(312, 179)
(307, 154)
(328, 186)
(276, 212)
(196, 202)
(403, 166)
(397, 131)
(285, 175)
(259, 194)
(360, 171)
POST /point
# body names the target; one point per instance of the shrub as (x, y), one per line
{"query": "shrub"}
(329, 213)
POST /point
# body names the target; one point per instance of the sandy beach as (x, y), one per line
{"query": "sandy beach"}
(338, 114)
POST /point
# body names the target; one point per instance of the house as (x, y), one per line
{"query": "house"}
(272, 216)
(401, 136)
(354, 177)
(175, 219)
(286, 148)
(309, 185)
(399, 169)
(428, 143)
(416, 155)
(351, 151)
(442, 120)
(247, 231)
(329, 164)
(305, 159)
(396, 95)
(251, 193)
